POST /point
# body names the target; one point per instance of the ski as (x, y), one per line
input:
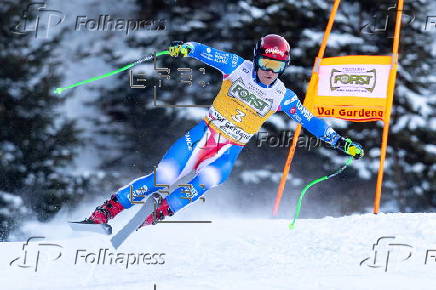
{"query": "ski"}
(147, 208)
(90, 227)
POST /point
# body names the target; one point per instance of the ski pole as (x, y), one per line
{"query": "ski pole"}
(144, 59)
(303, 192)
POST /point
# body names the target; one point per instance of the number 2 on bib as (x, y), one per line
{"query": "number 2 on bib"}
(238, 116)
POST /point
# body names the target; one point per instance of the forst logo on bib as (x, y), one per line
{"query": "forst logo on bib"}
(353, 80)
(238, 91)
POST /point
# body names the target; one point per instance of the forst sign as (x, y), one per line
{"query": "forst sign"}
(352, 88)
(364, 80)
(353, 80)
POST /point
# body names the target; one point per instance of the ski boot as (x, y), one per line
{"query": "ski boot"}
(161, 210)
(97, 222)
(108, 210)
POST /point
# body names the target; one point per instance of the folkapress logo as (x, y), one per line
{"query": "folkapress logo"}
(39, 20)
(383, 21)
(107, 257)
(34, 253)
(383, 252)
(353, 80)
(107, 23)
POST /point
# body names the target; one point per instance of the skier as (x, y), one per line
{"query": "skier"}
(250, 93)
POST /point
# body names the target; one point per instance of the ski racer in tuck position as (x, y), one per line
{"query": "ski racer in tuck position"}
(250, 93)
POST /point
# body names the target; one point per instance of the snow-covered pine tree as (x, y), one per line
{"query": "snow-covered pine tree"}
(36, 142)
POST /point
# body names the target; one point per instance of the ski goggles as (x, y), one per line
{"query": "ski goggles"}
(276, 66)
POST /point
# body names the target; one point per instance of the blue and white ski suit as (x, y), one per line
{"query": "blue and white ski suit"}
(212, 146)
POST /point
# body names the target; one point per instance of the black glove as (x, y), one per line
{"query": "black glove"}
(351, 148)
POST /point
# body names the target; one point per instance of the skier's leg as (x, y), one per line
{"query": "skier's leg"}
(169, 169)
(208, 176)
(172, 166)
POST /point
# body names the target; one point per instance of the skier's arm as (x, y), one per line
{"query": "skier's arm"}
(292, 106)
(223, 61)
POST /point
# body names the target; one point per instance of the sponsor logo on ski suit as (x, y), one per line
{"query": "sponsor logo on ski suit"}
(242, 106)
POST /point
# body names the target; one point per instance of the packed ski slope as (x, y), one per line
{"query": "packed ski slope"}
(232, 253)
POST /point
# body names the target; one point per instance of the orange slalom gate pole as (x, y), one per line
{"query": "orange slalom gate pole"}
(286, 171)
(311, 88)
(390, 97)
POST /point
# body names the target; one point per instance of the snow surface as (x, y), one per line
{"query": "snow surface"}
(234, 253)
